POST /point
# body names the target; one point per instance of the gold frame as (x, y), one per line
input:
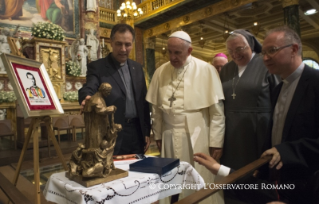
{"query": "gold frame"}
(13, 46)
(18, 89)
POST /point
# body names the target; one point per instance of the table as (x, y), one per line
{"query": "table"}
(137, 188)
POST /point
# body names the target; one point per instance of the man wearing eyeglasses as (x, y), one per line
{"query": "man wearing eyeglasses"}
(247, 86)
(294, 137)
(295, 124)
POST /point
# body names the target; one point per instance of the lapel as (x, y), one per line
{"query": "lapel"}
(134, 75)
(111, 69)
(296, 100)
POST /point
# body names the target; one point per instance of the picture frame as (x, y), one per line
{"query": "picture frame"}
(32, 86)
(15, 46)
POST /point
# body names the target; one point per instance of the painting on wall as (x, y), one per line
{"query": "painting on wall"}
(64, 13)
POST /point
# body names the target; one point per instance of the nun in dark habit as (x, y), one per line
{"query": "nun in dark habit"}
(247, 86)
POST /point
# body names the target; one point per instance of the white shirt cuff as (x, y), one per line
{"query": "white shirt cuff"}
(223, 171)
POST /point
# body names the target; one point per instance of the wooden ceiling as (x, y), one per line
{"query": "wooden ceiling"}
(268, 14)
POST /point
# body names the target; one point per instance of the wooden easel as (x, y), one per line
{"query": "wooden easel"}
(33, 131)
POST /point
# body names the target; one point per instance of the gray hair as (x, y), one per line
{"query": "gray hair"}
(187, 44)
(290, 36)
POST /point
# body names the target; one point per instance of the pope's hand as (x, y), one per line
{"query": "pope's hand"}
(215, 152)
(159, 145)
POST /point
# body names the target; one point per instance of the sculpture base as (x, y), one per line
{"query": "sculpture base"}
(88, 182)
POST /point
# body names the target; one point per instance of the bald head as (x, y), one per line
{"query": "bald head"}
(218, 62)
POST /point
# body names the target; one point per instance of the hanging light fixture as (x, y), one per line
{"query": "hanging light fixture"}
(226, 27)
(163, 51)
(129, 10)
(255, 28)
(202, 40)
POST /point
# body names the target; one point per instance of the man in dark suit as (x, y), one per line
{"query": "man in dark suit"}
(128, 91)
(295, 123)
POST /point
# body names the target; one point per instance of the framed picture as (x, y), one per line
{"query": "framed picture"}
(32, 86)
(15, 46)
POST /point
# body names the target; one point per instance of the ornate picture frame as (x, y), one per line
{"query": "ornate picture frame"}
(32, 86)
(15, 46)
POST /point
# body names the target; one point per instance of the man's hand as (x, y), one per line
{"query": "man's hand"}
(159, 145)
(215, 152)
(83, 103)
(147, 143)
(210, 163)
(276, 159)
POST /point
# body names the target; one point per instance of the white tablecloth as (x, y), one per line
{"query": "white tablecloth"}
(136, 188)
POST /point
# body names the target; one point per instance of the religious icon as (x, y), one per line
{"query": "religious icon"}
(68, 86)
(10, 86)
(78, 85)
(1, 84)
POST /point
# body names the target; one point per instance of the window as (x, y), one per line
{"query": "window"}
(311, 63)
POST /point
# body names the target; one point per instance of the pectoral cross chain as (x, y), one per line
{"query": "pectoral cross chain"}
(171, 99)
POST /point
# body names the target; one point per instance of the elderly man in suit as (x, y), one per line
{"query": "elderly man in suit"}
(128, 91)
(295, 123)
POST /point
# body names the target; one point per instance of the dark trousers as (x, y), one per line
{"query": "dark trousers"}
(130, 140)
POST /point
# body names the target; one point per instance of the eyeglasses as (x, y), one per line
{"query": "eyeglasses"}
(238, 50)
(273, 50)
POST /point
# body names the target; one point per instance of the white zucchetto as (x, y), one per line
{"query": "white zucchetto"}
(182, 35)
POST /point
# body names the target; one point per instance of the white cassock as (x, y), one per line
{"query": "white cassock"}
(195, 121)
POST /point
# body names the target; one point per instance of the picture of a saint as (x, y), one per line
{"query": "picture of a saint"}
(34, 91)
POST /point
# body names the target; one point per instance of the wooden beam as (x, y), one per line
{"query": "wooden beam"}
(314, 4)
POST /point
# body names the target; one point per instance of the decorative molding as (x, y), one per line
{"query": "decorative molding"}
(286, 3)
(150, 32)
(105, 32)
(186, 19)
(167, 26)
(208, 11)
(195, 16)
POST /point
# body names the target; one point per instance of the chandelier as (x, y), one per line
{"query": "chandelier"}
(129, 10)
(256, 28)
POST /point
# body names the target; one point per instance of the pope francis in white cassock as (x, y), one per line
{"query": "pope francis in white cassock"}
(187, 108)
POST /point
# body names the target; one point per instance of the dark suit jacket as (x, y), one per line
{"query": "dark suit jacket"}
(299, 149)
(104, 70)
